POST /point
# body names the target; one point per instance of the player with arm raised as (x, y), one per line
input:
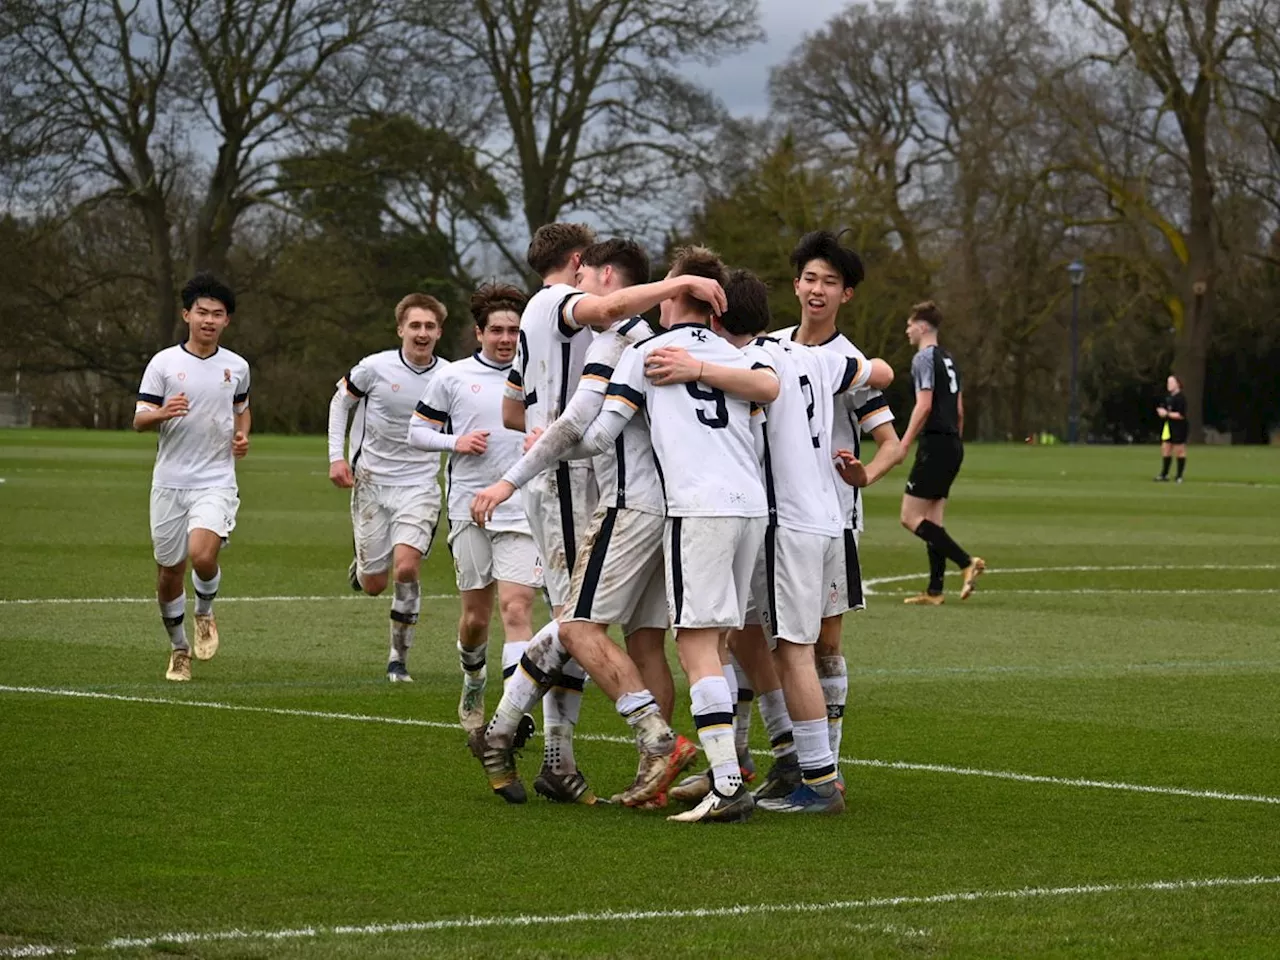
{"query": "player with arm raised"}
(197, 395)
(618, 574)
(826, 276)
(794, 583)
(938, 420)
(461, 413)
(395, 490)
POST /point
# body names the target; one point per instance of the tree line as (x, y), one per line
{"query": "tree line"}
(328, 156)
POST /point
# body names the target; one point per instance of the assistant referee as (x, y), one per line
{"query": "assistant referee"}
(1173, 438)
(938, 419)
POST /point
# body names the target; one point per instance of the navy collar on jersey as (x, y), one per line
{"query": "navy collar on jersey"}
(483, 361)
(688, 323)
(184, 349)
(418, 370)
(795, 338)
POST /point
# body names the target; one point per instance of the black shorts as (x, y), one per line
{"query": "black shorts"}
(1176, 430)
(938, 459)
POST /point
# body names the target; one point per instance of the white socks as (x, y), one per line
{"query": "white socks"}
(713, 716)
(172, 613)
(404, 614)
(833, 675)
(777, 723)
(206, 590)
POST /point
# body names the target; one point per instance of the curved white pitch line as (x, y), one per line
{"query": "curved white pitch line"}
(869, 583)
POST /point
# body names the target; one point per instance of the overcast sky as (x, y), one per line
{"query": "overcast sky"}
(741, 81)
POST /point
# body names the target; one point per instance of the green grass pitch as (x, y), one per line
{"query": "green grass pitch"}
(1126, 638)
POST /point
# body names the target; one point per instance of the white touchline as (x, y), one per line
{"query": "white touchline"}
(607, 738)
(697, 913)
(870, 583)
(36, 601)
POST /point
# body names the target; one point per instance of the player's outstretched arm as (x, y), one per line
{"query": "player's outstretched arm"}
(601, 312)
(881, 374)
(671, 365)
(147, 416)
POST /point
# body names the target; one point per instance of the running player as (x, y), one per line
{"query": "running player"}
(609, 583)
(826, 276)
(395, 490)
(461, 413)
(197, 395)
(1173, 435)
(938, 420)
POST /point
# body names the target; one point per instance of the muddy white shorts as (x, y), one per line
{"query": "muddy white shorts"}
(795, 583)
(482, 556)
(175, 513)
(382, 516)
(559, 504)
(709, 563)
(618, 577)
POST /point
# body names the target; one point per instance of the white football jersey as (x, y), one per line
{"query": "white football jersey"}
(859, 411)
(799, 482)
(628, 474)
(549, 357)
(387, 387)
(194, 452)
(464, 398)
(702, 436)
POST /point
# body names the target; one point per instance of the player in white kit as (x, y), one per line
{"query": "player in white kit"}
(197, 394)
(716, 507)
(395, 490)
(610, 274)
(826, 275)
(795, 580)
(461, 413)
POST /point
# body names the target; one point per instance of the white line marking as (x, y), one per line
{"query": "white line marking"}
(221, 599)
(1104, 592)
(699, 913)
(36, 949)
(606, 738)
(872, 582)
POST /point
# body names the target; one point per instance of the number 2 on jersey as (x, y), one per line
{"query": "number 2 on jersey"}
(710, 394)
(951, 374)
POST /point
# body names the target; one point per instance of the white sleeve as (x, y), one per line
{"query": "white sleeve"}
(240, 401)
(601, 434)
(625, 392)
(339, 411)
(848, 373)
(426, 425)
(559, 438)
(758, 418)
(151, 390)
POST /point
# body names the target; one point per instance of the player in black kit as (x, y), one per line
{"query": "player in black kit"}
(1173, 438)
(938, 419)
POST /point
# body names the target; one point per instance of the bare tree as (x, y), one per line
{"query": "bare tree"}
(587, 109)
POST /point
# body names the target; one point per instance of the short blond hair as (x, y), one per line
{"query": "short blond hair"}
(421, 301)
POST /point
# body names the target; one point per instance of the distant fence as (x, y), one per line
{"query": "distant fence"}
(15, 410)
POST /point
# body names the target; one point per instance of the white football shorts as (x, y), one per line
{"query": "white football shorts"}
(618, 577)
(709, 563)
(559, 504)
(382, 516)
(482, 556)
(795, 583)
(176, 512)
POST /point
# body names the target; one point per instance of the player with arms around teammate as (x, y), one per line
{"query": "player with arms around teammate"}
(395, 492)
(1173, 436)
(938, 421)
(461, 412)
(197, 395)
(827, 274)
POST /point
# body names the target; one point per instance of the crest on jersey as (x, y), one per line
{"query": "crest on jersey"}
(475, 388)
(395, 388)
(226, 375)
(182, 375)
(700, 335)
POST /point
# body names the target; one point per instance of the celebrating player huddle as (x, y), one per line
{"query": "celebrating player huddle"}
(701, 477)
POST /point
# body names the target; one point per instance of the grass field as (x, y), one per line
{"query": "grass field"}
(1082, 761)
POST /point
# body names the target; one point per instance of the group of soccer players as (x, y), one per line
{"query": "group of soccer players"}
(701, 477)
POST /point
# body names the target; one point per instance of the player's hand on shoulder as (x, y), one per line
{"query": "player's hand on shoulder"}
(340, 475)
(176, 406)
(474, 443)
(489, 499)
(668, 365)
(531, 438)
(850, 468)
(239, 444)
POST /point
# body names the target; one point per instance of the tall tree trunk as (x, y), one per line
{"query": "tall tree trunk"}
(1191, 350)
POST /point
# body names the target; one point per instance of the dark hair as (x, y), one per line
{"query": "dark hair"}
(421, 301)
(825, 245)
(206, 285)
(554, 243)
(697, 261)
(494, 298)
(927, 312)
(625, 256)
(748, 297)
